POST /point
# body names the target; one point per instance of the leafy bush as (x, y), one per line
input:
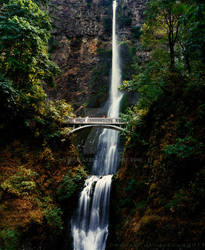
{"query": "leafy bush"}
(21, 183)
(107, 24)
(141, 205)
(54, 218)
(136, 32)
(201, 111)
(71, 184)
(135, 186)
(106, 2)
(149, 83)
(183, 148)
(125, 21)
(125, 202)
(25, 30)
(53, 44)
(7, 92)
(134, 117)
(10, 239)
(48, 116)
(9, 96)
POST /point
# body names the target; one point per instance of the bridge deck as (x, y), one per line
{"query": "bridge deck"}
(95, 121)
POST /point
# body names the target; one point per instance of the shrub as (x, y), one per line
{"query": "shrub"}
(10, 239)
(136, 32)
(125, 21)
(141, 205)
(183, 148)
(106, 2)
(134, 117)
(8, 101)
(53, 44)
(135, 185)
(107, 24)
(71, 184)
(21, 183)
(54, 219)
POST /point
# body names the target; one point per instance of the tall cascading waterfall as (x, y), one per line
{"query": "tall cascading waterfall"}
(90, 225)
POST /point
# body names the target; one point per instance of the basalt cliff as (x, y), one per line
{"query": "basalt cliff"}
(81, 46)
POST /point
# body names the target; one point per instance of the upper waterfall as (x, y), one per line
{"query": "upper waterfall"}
(115, 94)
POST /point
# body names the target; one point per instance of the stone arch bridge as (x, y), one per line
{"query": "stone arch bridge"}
(79, 123)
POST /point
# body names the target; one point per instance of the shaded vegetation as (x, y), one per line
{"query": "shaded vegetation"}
(31, 208)
(36, 156)
(160, 187)
(25, 68)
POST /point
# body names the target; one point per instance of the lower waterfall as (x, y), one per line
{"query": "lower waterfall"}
(90, 224)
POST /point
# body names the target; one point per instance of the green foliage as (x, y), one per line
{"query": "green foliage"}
(138, 186)
(49, 114)
(54, 218)
(22, 183)
(174, 44)
(53, 44)
(136, 32)
(165, 129)
(133, 118)
(184, 148)
(10, 239)
(180, 24)
(24, 67)
(141, 205)
(124, 21)
(71, 184)
(201, 111)
(8, 95)
(125, 202)
(106, 3)
(26, 114)
(24, 34)
(149, 79)
(128, 53)
(194, 21)
(42, 2)
(107, 24)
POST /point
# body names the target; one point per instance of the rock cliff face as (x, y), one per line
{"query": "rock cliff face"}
(81, 46)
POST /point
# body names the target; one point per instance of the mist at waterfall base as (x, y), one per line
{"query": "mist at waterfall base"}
(90, 224)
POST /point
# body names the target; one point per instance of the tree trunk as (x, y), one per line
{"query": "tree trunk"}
(172, 53)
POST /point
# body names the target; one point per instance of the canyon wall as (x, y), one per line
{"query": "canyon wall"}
(81, 46)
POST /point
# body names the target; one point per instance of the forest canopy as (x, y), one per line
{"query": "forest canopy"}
(25, 68)
(174, 37)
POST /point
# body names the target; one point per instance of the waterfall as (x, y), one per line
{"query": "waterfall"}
(90, 225)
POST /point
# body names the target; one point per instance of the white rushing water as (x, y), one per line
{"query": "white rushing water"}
(90, 225)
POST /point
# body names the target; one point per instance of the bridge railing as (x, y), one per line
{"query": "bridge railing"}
(95, 120)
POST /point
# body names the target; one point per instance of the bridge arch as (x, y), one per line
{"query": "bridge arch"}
(108, 126)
